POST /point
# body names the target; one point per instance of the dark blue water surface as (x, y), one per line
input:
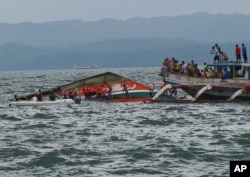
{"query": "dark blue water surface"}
(116, 139)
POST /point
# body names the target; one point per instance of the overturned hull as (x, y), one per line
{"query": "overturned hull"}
(136, 91)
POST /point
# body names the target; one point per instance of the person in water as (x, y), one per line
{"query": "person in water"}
(15, 98)
(52, 97)
(77, 98)
(71, 96)
(39, 95)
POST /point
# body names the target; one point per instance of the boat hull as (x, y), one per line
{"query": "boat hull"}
(137, 92)
(221, 90)
(217, 93)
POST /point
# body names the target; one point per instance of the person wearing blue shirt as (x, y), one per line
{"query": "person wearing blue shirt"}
(227, 74)
(244, 52)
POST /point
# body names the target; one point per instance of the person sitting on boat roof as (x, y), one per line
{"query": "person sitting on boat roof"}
(216, 53)
(224, 56)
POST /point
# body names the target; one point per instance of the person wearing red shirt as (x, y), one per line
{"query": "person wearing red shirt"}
(237, 53)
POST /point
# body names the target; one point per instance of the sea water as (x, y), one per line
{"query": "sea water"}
(116, 139)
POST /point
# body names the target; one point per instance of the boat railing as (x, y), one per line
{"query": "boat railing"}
(179, 78)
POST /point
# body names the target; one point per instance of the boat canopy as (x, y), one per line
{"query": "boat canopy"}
(223, 64)
(230, 64)
(104, 78)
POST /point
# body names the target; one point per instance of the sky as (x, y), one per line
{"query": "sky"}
(40, 11)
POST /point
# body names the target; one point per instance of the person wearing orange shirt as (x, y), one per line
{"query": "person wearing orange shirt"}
(85, 90)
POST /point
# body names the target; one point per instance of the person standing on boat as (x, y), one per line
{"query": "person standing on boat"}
(151, 88)
(103, 91)
(216, 53)
(244, 52)
(218, 48)
(125, 89)
(237, 53)
(109, 91)
(86, 90)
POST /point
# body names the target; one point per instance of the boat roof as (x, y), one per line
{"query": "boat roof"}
(103, 78)
(230, 64)
(99, 79)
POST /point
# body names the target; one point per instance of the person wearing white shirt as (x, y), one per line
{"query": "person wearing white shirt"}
(216, 54)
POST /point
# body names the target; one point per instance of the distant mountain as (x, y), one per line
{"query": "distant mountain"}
(197, 27)
(134, 52)
(115, 43)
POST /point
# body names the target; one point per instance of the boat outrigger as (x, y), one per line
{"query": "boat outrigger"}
(217, 88)
(107, 86)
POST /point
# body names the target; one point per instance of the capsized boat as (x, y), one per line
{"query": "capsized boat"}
(103, 87)
(236, 88)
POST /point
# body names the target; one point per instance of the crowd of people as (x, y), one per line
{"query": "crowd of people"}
(99, 91)
(192, 69)
(75, 97)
